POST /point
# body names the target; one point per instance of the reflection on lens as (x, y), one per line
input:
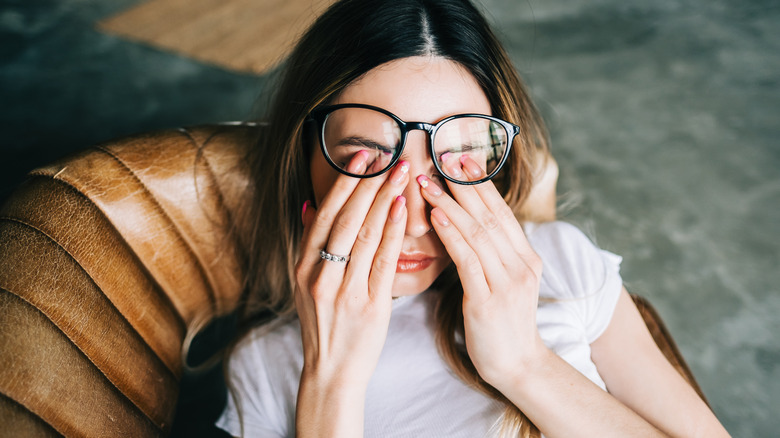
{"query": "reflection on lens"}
(483, 140)
(351, 130)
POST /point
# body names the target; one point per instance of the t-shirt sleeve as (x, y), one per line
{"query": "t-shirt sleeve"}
(579, 273)
(253, 407)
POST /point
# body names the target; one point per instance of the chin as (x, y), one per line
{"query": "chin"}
(413, 283)
(405, 286)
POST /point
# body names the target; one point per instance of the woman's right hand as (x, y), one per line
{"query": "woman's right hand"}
(344, 308)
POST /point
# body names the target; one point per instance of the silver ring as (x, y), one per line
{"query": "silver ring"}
(324, 255)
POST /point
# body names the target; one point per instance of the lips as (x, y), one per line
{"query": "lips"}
(413, 262)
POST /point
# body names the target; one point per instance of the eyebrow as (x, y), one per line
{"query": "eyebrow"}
(362, 141)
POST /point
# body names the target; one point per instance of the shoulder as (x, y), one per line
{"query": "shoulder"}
(580, 282)
(574, 267)
(561, 241)
(279, 339)
(263, 371)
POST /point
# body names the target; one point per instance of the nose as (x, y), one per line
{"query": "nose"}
(418, 211)
(417, 222)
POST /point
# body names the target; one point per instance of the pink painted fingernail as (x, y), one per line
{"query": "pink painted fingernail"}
(471, 166)
(440, 217)
(397, 210)
(303, 209)
(358, 162)
(428, 185)
(398, 174)
(454, 171)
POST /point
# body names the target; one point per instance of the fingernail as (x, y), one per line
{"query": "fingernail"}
(440, 217)
(399, 172)
(471, 167)
(397, 210)
(454, 171)
(358, 162)
(303, 209)
(428, 185)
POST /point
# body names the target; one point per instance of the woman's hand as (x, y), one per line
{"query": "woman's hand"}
(499, 271)
(500, 274)
(344, 308)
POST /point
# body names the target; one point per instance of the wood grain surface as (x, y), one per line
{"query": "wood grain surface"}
(250, 36)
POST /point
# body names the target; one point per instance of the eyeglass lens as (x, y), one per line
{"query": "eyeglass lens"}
(348, 131)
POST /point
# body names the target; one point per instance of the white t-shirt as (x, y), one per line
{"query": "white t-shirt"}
(413, 393)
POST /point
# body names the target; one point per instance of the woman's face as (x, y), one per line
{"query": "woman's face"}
(419, 89)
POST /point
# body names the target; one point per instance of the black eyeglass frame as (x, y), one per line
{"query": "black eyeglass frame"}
(320, 116)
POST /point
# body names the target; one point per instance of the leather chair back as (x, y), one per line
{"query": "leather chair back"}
(109, 259)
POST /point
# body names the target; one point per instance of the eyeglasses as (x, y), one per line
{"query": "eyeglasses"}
(345, 130)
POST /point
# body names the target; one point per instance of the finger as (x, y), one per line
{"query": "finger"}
(371, 234)
(308, 268)
(304, 301)
(308, 213)
(471, 231)
(468, 198)
(452, 167)
(317, 232)
(470, 271)
(384, 263)
(342, 212)
(351, 217)
(490, 196)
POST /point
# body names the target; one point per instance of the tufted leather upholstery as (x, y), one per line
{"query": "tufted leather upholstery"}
(106, 260)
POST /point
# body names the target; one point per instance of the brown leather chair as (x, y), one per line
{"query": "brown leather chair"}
(108, 261)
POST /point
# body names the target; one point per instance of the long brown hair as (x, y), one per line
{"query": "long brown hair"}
(348, 40)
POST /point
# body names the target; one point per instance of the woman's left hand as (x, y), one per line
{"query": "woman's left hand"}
(500, 274)
(498, 269)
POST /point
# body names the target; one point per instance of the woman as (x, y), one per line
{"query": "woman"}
(405, 141)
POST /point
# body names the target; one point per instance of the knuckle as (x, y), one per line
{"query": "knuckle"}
(382, 264)
(490, 221)
(527, 277)
(343, 224)
(323, 219)
(367, 235)
(479, 234)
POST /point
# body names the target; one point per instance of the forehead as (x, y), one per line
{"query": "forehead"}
(420, 89)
